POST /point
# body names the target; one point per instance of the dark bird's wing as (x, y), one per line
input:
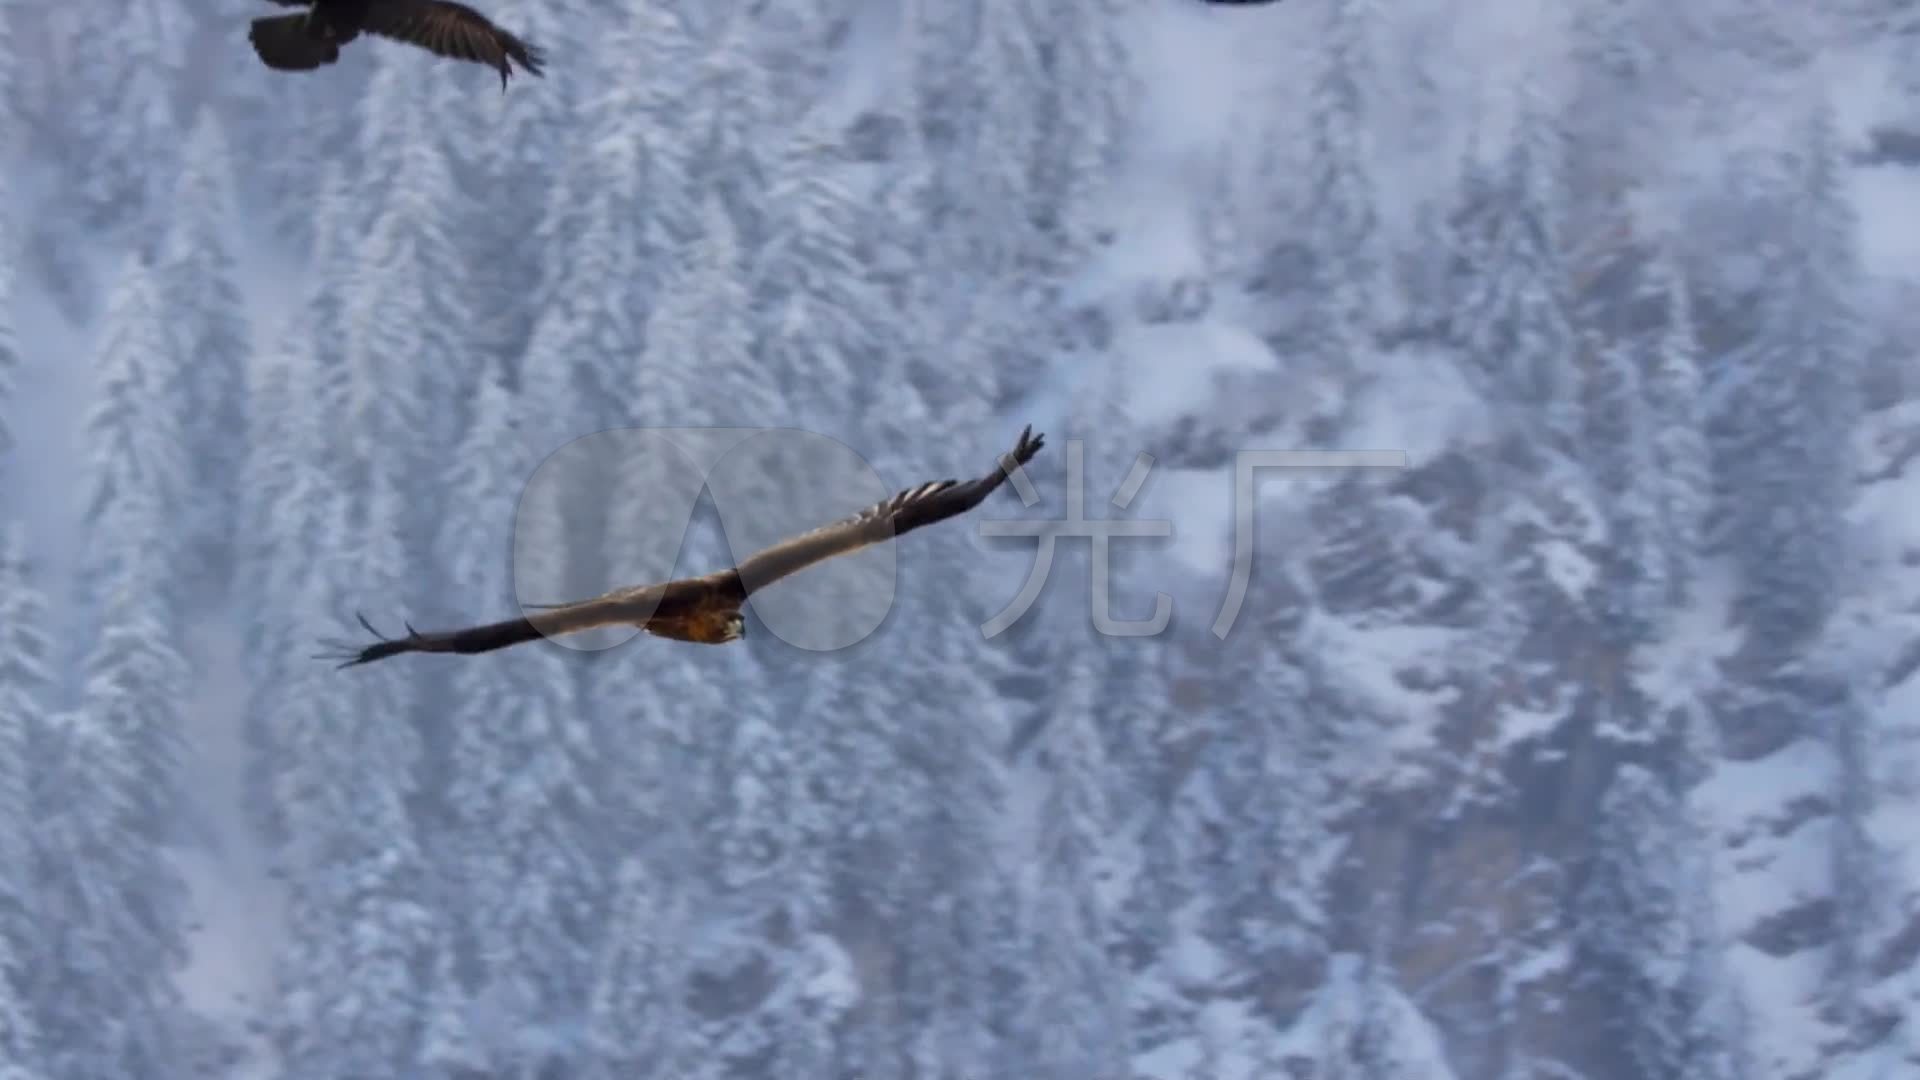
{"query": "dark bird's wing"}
(283, 44)
(883, 521)
(624, 607)
(451, 30)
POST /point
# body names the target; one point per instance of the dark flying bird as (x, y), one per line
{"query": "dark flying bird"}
(706, 609)
(313, 37)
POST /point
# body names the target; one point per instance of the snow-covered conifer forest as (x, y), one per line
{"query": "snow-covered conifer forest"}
(1586, 747)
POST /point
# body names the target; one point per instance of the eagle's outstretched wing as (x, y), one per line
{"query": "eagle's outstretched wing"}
(904, 512)
(622, 607)
(452, 30)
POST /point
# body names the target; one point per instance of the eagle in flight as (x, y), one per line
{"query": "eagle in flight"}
(312, 38)
(706, 609)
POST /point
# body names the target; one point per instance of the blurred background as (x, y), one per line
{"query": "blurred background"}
(1584, 747)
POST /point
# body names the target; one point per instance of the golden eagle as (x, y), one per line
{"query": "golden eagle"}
(707, 609)
(313, 38)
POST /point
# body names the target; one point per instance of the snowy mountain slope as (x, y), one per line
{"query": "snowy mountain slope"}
(1413, 705)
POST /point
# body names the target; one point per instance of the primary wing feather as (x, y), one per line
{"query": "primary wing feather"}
(904, 512)
(452, 30)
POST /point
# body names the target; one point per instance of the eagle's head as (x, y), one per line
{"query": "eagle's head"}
(736, 627)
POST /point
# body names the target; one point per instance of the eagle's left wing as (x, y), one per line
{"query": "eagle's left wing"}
(622, 607)
(452, 30)
(904, 512)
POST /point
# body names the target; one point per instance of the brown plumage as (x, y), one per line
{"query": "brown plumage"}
(313, 38)
(706, 610)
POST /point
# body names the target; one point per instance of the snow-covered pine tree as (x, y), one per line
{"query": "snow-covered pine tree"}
(801, 44)
(574, 379)
(1342, 226)
(1860, 882)
(705, 309)
(123, 132)
(136, 683)
(136, 484)
(1265, 766)
(513, 176)
(936, 46)
(13, 101)
(449, 1035)
(1516, 332)
(321, 321)
(282, 481)
(921, 832)
(1785, 440)
(1610, 59)
(625, 202)
(208, 318)
(25, 688)
(1073, 1022)
(521, 806)
(985, 183)
(406, 318)
(1683, 485)
(1645, 444)
(637, 1015)
(354, 983)
(769, 842)
(1369, 1030)
(730, 115)
(1467, 229)
(1516, 317)
(941, 317)
(9, 344)
(110, 907)
(1633, 584)
(115, 945)
(767, 838)
(1645, 941)
(1081, 116)
(295, 530)
(827, 321)
(1639, 77)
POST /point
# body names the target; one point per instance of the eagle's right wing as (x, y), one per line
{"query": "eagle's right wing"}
(904, 512)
